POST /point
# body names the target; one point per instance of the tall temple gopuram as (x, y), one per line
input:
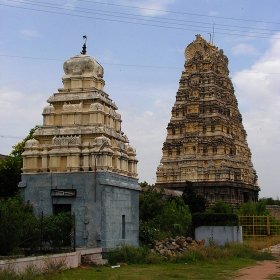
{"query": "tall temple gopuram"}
(206, 141)
(81, 161)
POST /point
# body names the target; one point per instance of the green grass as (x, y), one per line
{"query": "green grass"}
(199, 270)
(211, 263)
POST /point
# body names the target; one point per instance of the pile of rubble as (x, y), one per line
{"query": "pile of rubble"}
(180, 244)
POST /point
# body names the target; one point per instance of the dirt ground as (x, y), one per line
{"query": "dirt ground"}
(264, 270)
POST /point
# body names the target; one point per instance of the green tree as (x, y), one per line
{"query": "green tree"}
(10, 174)
(253, 209)
(196, 203)
(221, 207)
(10, 168)
(18, 149)
(16, 224)
(270, 201)
(160, 218)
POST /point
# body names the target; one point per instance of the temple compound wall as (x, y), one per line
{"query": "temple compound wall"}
(206, 141)
(81, 161)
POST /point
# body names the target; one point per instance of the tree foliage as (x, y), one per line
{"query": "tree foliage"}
(20, 229)
(10, 173)
(196, 203)
(253, 209)
(16, 221)
(220, 207)
(10, 168)
(270, 201)
(160, 218)
(18, 149)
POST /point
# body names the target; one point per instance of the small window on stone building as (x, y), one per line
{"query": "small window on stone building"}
(123, 226)
(178, 152)
(61, 208)
(204, 129)
(212, 128)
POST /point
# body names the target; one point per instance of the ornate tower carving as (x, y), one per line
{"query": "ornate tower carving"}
(206, 141)
(78, 119)
(82, 162)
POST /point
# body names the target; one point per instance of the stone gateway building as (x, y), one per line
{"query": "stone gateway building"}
(82, 162)
(206, 141)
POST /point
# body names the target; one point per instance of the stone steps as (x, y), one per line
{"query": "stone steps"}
(93, 259)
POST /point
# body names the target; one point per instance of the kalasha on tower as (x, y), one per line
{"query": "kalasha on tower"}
(206, 141)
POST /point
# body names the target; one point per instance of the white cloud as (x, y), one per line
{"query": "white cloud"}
(213, 13)
(17, 106)
(149, 7)
(145, 125)
(70, 5)
(258, 92)
(147, 133)
(244, 49)
(29, 33)
(18, 114)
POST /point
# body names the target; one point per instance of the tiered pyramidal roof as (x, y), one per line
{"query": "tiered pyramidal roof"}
(81, 129)
(206, 141)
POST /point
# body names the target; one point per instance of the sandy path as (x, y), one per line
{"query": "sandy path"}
(261, 271)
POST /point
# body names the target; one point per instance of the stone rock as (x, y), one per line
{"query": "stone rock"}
(178, 246)
(201, 242)
(189, 240)
(170, 247)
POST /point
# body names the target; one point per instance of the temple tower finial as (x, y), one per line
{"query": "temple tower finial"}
(84, 49)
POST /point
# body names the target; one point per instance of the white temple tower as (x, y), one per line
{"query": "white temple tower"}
(81, 161)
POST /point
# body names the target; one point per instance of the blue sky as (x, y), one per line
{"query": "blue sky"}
(141, 46)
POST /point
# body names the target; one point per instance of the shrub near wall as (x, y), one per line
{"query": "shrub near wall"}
(16, 221)
(160, 218)
(213, 219)
(23, 233)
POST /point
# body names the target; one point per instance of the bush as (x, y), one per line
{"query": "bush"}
(221, 207)
(148, 232)
(132, 255)
(211, 219)
(22, 232)
(196, 203)
(253, 209)
(16, 223)
(211, 254)
(160, 218)
(10, 175)
(57, 230)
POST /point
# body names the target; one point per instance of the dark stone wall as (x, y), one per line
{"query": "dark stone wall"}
(106, 214)
(232, 192)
